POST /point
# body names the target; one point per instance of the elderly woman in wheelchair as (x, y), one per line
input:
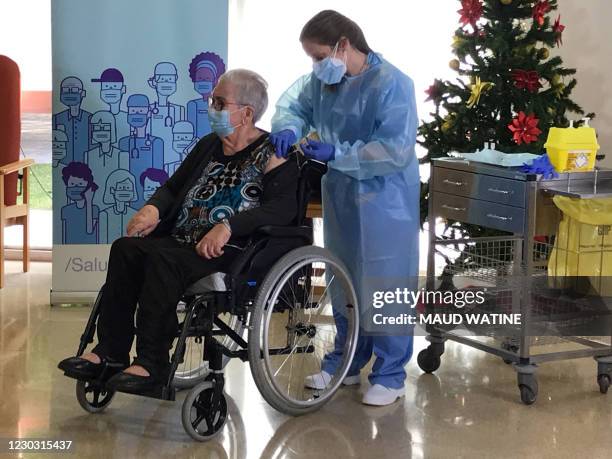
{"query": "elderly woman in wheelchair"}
(232, 207)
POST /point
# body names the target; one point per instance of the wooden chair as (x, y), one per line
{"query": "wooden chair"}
(17, 214)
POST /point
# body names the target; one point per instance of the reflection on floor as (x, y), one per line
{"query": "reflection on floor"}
(470, 408)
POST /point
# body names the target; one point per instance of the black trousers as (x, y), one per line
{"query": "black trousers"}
(152, 273)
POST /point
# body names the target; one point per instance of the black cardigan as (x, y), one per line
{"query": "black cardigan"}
(278, 204)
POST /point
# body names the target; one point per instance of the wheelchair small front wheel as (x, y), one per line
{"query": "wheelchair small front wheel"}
(203, 417)
(92, 397)
(305, 319)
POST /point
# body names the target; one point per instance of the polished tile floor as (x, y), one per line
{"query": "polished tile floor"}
(470, 408)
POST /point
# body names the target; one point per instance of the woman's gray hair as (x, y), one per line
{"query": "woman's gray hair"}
(251, 89)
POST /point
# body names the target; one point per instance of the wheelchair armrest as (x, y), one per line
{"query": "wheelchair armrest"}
(302, 232)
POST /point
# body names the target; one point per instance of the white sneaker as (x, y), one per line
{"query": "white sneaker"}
(320, 381)
(378, 395)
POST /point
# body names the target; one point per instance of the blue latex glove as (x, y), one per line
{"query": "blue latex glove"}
(541, 166)
(318, 150)
(282, 141)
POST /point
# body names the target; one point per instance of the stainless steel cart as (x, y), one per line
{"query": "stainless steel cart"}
(515, 268)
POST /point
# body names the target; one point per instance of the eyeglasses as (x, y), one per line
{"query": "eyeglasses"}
(218, 103)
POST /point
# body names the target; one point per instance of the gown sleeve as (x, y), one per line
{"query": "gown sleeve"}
(391, 146)
(294, 108)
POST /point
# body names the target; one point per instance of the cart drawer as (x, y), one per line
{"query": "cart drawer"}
(479, 186)
(477, 212)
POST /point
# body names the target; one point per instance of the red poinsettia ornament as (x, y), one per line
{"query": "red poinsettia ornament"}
(529, 80)
(525, 128)
(539, 11)
(558, 29)
(471, 12)
(435, 92)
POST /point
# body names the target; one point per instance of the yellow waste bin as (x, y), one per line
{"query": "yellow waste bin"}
(572, 149)
(583, 244)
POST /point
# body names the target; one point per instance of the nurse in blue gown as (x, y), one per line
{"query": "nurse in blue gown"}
(364, 112)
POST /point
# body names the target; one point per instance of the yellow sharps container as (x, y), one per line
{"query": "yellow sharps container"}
(572, 149)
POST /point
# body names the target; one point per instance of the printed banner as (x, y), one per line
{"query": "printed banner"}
(131, 81)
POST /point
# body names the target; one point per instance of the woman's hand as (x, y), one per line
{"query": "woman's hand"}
(211, 245)
(144, 222)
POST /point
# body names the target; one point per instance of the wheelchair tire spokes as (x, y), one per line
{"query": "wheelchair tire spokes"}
(287, 345)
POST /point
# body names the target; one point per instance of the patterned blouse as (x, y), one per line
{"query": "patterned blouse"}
(228, 185)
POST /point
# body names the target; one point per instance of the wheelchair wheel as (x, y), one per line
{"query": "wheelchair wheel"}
(201, 420)
(92, 397)
(194, 370)
(294, 327)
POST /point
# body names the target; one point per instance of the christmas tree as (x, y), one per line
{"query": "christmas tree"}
(510, 90)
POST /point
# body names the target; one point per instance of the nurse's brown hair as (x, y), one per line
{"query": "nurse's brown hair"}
(329, 26)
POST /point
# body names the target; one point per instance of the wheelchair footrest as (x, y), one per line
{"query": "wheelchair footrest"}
(160, 392)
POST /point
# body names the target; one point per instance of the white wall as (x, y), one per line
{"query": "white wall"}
(25, 37)
(587, 46)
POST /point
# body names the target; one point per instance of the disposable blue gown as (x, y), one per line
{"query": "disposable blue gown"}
(370, 196)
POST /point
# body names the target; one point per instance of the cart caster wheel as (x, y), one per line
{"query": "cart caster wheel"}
(427, 361)
(509, 347)
(201, 420)
(528, 396)
(92, 397)
(604, 383)
(528, 384)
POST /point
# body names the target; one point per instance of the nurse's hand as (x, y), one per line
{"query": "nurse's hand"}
(144, 222)
(282, 141)
(318, 150)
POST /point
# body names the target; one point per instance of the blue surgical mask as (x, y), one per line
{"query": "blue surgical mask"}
(137, 120)
(101, 136)
(220, 122)
(166, 88)
(110, 96)
(148, 194)
(124, 196)
(180, 145)
(75, 192)
(331, 69)
(58, 153)
(70, 99)
(203, 87)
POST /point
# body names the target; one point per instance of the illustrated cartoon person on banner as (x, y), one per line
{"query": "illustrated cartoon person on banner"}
(80, 216)
(151, 180)
(104, 158)
(120, 192)
(59, 146)
(163, 112)
(112, 89)
(74, 119)
(204, 70)
(144, 149)
(183, 141)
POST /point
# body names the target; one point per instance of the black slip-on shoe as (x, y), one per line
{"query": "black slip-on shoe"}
(82, 369)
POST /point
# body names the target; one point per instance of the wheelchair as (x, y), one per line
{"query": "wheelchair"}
(273, 308)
